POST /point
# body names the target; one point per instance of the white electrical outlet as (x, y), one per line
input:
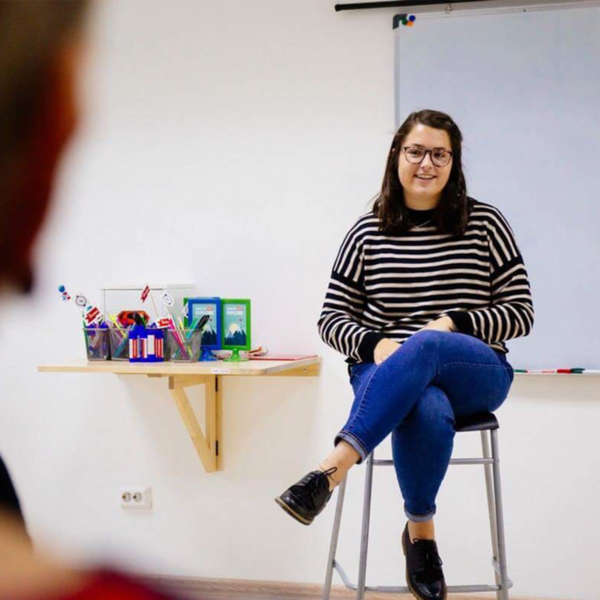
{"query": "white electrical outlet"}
(136, 497)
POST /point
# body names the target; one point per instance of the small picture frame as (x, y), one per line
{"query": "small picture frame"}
(236, 324)
(212, 331)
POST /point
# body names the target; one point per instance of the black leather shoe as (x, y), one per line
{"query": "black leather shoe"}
(424, 574)
(307, 498)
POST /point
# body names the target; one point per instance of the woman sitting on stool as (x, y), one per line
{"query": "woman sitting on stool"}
(425, 290)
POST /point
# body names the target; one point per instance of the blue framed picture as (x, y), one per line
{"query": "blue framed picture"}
(212, 332)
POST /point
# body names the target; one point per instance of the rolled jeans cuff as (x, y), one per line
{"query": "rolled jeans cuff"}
(354, 442)
(419, 518)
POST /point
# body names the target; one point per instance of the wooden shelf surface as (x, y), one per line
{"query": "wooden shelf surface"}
(306, 366)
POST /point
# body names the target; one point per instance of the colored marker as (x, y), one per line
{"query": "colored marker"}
(175, 333)
(124, 341)
(199, 323)
(120, 329)
(183, 336)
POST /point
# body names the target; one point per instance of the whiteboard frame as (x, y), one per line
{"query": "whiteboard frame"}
(483, 12)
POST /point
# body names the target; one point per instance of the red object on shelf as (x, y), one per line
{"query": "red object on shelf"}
(125, 317)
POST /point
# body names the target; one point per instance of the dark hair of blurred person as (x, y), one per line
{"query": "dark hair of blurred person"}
(40, 47)
(40, 44)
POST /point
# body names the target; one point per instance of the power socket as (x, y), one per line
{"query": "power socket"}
(136, 497)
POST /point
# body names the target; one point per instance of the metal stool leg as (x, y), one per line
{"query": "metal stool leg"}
(364, 541)
(489, 487)
(334, 538)
(504, 581)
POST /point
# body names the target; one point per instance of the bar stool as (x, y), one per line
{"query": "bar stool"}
(483, 423)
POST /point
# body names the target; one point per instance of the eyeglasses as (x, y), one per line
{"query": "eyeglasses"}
(416, 155)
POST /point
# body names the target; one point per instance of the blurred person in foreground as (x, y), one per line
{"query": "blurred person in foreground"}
(41, 44)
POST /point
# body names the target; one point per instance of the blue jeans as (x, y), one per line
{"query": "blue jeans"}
(415, 395)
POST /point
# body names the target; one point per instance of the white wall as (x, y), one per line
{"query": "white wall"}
(231, 144)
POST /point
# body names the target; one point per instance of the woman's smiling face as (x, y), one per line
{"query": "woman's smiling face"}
(423, 183)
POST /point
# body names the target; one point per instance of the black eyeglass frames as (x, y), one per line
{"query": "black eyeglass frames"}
(416, 155)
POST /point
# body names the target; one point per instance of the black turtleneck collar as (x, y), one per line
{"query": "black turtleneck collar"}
(419, 216)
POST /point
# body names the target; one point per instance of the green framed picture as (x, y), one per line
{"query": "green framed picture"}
(236, 326)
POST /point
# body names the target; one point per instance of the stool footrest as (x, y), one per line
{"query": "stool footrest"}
(453, 461)
(386, 589)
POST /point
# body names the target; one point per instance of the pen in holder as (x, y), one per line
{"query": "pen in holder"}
(119, 342)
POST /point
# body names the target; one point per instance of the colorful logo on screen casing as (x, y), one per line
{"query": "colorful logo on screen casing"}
(409, 20)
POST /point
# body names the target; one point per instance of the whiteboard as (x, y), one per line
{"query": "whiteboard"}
(524, 88)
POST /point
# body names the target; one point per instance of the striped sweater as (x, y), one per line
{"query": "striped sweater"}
(390, 286)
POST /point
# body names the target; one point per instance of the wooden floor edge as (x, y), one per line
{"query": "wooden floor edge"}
(243, 588)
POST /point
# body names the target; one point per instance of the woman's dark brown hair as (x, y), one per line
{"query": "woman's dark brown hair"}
(452, 212)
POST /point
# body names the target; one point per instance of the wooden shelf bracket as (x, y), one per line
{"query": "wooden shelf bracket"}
(208, 445)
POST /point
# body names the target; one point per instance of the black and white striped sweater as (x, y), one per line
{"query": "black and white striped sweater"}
(390, 286)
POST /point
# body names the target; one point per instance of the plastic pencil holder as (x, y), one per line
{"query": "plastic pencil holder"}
(146, 344)
(183, 345)
(96, 343)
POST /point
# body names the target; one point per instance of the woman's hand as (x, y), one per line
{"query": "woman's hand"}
(386, 346)
(441, 324)
(383, 349)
